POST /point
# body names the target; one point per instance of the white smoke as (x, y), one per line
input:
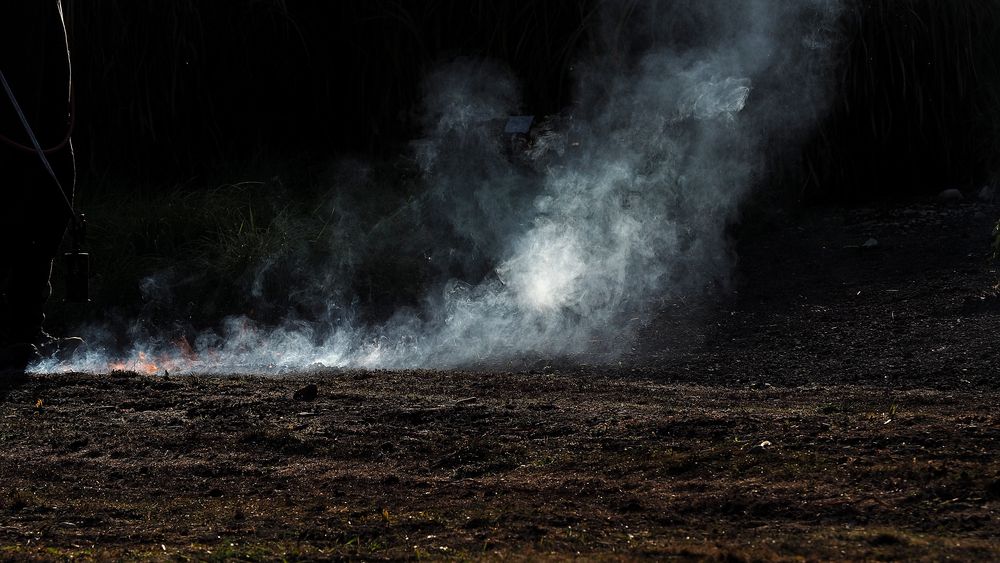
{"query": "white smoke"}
(622, 201)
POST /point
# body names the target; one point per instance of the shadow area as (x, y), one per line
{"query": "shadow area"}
(10, 381)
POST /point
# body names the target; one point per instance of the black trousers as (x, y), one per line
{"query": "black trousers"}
(34, 59)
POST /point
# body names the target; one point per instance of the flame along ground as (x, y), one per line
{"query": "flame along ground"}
(150, 364)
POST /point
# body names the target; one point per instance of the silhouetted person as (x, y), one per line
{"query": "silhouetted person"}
(34, 214)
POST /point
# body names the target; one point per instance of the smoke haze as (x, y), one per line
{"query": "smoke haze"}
(563, 249)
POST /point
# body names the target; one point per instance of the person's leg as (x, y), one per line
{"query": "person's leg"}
(32, 239)
(36, 213)
(16, 351)
(28, 283)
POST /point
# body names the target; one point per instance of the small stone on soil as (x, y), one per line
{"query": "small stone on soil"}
(307, 393)
(950, 196)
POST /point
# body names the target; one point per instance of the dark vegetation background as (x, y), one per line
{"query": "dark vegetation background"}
(205, 130)
(168, 90)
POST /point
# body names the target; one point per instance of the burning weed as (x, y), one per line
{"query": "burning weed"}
(481, 260)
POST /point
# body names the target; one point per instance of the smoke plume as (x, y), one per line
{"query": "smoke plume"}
(560, 248)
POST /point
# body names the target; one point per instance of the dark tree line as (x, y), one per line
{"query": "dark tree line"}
(182, 84)
(169, 89)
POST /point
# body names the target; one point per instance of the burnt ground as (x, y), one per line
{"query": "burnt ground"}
(839, 402)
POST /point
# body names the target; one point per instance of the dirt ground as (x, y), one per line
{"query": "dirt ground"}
(837, 402)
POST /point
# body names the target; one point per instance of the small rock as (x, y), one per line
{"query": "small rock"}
(870, 243)
(986, 193)
(307, 393)
(950, 196)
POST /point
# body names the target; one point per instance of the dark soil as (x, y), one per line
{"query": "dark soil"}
(811, 304)
(838, 402)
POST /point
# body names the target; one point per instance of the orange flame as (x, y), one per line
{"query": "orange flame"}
(182, 357)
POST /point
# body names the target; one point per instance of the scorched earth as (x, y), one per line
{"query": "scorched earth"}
(837, 402)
